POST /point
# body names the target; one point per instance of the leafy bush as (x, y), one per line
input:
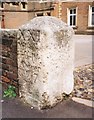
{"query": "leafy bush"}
(10, 92)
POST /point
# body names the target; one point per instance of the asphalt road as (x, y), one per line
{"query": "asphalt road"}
(66, 109)
(83, 49)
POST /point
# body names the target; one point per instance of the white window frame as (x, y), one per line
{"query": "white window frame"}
(90, 16)
(23, 8)
(68, 16)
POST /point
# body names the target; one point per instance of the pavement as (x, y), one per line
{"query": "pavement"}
(15, 108)
(83, 49)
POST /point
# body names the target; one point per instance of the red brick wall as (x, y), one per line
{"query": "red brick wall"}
(8, 58)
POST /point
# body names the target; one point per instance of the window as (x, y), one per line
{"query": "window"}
(48, 14)
(14, 4)
(91, 16)
(39, 14)
(23, 6)
(1, 5)
(72, 17)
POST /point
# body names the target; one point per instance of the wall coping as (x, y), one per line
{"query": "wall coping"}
(7, 29)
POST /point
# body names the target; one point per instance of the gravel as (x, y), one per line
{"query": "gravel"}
(84, 82)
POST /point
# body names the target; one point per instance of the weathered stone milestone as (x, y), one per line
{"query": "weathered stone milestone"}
(45, 61)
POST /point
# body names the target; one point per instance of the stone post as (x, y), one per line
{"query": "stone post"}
(45, 61)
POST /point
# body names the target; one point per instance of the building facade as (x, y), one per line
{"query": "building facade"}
(14, 14)
(79, 15)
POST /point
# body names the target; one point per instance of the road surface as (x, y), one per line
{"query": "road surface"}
(83, 49)
(66, 109)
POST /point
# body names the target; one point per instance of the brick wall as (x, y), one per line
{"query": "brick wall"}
(8, 58)
(14, 16)
(14, 20)
(82, 16)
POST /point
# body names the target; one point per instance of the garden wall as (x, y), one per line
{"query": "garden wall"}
(8, 58)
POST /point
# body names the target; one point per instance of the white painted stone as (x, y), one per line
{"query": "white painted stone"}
(45, 61)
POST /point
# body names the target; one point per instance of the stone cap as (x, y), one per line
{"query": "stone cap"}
(47, 23)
